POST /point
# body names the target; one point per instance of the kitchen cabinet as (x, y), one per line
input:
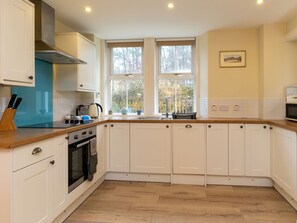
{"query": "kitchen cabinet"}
(17, 43)
(101, 150)
(32, 192)
(150, 148)
(283, 158)
(257, 151)
(40, 184)
(189, 148)
(76, 77)
(119, 147)
(236, 149)
(217, 149)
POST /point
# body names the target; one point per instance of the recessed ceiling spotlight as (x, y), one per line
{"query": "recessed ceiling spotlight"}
(170, 5)
(88, 9)
(259, 2)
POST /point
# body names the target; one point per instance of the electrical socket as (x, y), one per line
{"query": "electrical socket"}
(214, 107)
(224, 107)
(236, 107)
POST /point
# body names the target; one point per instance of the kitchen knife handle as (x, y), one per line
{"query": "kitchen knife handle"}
(17, 103)
(11, 101)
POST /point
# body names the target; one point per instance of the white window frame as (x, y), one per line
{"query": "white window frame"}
(125, 77)
(174, 76)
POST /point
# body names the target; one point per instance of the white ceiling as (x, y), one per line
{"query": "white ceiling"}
(123, 19)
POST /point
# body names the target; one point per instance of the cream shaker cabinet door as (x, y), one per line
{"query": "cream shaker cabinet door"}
(101, 150)
(150, 148)
(189, 148)
(257, 151)
(76, 77)
(283, 158)
(32, 193)
(217, 149)
(86, 72)
(17, 66)
(236, 149)
(119, 147)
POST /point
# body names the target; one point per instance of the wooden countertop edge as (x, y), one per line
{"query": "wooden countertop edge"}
(13, 143)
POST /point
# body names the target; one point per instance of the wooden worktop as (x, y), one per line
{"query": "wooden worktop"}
(23, 136)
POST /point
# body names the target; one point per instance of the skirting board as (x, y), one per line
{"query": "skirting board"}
(162, 178)
(65, 214)
(191, 179)
(188, 179)
(286, 196)
(240, 181)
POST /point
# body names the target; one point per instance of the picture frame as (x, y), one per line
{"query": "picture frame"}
(232, 59)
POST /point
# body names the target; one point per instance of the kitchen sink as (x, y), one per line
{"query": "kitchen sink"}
(152, 118)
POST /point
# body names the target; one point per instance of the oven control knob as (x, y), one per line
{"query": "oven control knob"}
(76, 137)
(91, 132)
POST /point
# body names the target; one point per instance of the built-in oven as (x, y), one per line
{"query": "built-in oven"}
(82, 157)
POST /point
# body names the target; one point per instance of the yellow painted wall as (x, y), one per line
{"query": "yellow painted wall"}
(233, 82)
(292, 25)
(279, 61)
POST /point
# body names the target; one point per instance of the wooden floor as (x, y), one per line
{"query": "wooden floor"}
(116, 201)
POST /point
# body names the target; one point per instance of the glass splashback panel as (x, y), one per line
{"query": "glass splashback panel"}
(37, 104)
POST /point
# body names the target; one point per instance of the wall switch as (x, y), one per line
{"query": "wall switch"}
(214, 107)
(224, 107)
(236, 107)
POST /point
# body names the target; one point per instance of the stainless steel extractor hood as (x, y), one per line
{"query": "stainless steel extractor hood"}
(45, 37)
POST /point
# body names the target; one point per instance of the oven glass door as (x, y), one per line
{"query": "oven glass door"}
(77, 164)
(291, 111)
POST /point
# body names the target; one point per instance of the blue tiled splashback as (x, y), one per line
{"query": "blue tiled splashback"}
(37, 104)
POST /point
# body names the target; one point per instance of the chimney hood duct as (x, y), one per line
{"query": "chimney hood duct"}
(45, 37)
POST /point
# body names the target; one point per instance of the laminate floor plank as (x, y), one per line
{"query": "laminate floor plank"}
(140, 202)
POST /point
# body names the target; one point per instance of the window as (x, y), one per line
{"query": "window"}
(176, 79)
(126, 76)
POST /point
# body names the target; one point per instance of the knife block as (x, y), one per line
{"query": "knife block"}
(7, 121)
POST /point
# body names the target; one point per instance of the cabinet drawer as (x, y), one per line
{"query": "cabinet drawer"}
(26, 155)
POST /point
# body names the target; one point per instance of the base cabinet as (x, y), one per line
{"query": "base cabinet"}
(236, 149)
(283, 158)
(257, 150)
(102, 131)
(189, 148)
(33, 192)
(217, 149)
(40, 185)
(150, 148)
(119, 147)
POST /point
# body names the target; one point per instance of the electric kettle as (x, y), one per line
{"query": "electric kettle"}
(94, 111)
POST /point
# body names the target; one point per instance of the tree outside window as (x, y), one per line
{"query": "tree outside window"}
(126, 77)
(176, 77)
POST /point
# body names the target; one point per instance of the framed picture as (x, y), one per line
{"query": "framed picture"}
(233, 58)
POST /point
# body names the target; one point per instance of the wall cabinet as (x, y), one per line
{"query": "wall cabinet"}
(283, 159)
(150, 148)
(257, 150)
(76, 77)
(40, 187)
(236, 149)
(17, 66)
(119, 147)
(217, 149)
(189, 148)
